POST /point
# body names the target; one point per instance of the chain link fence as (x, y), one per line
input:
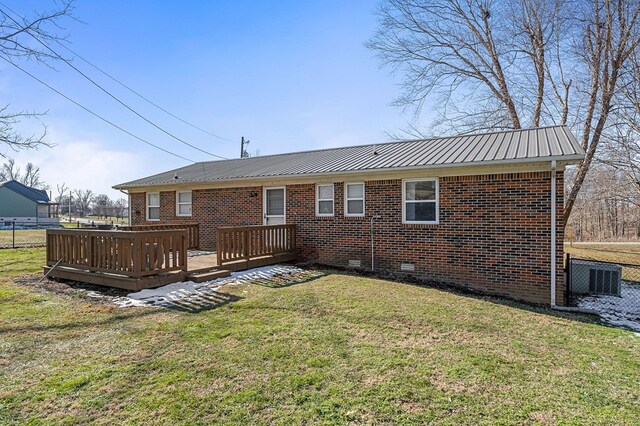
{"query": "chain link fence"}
(28, 234)
(15, 234)
(612, 289)
(19, 234)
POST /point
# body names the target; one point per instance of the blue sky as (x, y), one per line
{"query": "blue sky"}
(288, 75)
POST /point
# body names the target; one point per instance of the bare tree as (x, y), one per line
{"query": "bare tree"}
(83, 200)
(607, 207)
(9, 170)
(622, 146)
(30, 176)
(63, 190)
(492, 64)
(17, 41)
(622, 153)
(102, 205)
(120, 206)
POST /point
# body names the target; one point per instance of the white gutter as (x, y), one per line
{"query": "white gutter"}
(553, 233)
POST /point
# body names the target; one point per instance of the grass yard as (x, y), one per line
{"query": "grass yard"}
(15, 262)
(339, 349)
(28, 237)
(23, 237)
(620, 253)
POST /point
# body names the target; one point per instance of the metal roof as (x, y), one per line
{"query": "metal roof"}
(504, 147)
(37, 195)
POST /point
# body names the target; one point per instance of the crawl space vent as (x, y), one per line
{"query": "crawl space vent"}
(354, 263)
(407, 267)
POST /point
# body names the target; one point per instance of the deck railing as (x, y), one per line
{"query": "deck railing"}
(134, 254)
(246, 243)
(192, 228)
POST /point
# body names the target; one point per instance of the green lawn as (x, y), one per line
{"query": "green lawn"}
(27, 237)
(336, 350)
(21, 261)
(23, 237)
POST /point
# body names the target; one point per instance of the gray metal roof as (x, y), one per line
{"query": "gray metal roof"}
(39, 196)
(504, 147)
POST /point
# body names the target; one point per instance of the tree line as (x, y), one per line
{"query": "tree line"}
(84, 202)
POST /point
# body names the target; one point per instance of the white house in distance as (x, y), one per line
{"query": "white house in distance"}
(26, 205)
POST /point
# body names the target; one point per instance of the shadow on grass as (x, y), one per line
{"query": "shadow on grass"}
(203, 300)
(287, 282)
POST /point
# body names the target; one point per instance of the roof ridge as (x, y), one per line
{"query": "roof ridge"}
(460, 135)
(425, 152)
(27, 191)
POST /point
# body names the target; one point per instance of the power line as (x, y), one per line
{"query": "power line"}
(94, 113)
(143, 97)
(109, 93)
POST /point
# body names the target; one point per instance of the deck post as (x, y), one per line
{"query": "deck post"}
(219, 248)
(246, 246)
(90, 242)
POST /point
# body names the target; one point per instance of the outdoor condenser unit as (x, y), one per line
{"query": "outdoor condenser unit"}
(595, 278)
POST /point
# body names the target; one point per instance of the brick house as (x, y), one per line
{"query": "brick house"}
(473, 210)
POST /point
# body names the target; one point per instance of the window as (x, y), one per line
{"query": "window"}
(183, 203)
(153, 206)
(420, 201)
(354, 199)
(324, 200)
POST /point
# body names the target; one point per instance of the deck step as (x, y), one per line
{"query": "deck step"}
(200, 277)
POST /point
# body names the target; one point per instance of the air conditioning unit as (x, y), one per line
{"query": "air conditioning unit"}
(595, 278)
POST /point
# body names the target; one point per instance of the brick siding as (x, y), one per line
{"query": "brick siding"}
(493, 234)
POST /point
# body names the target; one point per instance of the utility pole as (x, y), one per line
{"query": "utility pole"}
(242, 144)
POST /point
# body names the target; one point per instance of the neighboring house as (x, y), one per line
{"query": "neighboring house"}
(23, 204)
(472, 210)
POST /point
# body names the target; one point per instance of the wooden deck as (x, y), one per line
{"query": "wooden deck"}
(135, 260)
(247, 247)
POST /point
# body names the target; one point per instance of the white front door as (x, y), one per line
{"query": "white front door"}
(274, 206)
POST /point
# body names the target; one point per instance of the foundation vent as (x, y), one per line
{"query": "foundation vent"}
(407, 267)
(354, 263)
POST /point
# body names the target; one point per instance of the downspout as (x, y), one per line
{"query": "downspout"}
(371, 234)
(553, 233)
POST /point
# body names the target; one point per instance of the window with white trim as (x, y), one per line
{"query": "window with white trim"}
(324, 199)
(183, 203)
(354, 199)
(153, 206)
(420, 201)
